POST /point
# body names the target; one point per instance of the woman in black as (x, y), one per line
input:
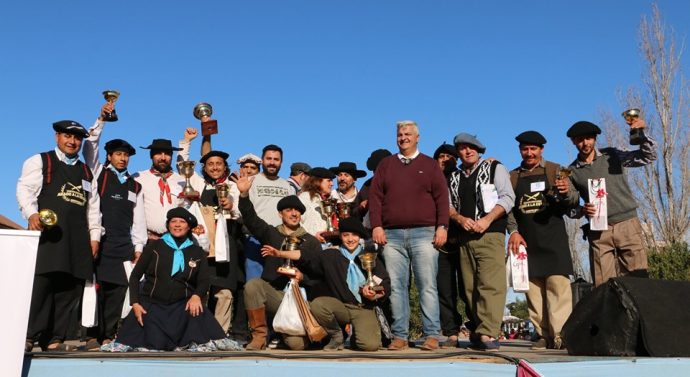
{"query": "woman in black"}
(168, 312)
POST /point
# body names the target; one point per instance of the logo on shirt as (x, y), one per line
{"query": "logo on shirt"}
(532, 203)
(72, 194)
(272, 191)
(116, 197)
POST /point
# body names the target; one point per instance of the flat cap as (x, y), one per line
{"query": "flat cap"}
(352, 225)
(70, 127)
(376, 157)
(291, 201)
(321, 173)
(182, 213)
(447, 149)
(298, 167)
(249, 157)
(210, 154)
(583, 128)
(464, 138)
(531, 138)
(119, 145)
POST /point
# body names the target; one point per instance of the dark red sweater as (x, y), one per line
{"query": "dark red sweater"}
(408, 196)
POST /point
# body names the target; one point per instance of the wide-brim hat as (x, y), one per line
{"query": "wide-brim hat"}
(583, 128)
(162, 145)
(320, 172)
(119, 145)
(210, 154)
(376, 157)
(349, 168)
(464, 138)
(291, 201)
(182, 213)
(352, 225)
(70, 127)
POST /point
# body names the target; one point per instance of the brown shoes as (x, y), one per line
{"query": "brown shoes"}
(257, 322)
(430, 344)
(398, 344)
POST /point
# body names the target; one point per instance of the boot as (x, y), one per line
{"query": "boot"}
(337, 340)
(257, 323)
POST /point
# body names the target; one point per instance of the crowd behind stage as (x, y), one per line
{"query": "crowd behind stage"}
(221, 260)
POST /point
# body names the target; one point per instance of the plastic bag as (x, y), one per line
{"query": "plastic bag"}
(89, 304)
(287, 319)
(222, 240)
(517, 272)
(126, 307)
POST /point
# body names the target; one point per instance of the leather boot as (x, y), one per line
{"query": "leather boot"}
(336, 334)
(257, 323)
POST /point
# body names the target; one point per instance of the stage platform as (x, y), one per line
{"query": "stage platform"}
(408, 363)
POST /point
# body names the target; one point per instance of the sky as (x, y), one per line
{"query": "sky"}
(326, 80)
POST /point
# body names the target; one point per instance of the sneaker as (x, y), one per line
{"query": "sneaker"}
(540, 344)
(398, 344)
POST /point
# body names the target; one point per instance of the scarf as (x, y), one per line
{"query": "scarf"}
(163, 184)
(285, 232)
(178, 256)
(121, 175)
(71, 160)
(355, 277)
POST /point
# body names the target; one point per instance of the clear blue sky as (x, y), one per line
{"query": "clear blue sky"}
(327, 80)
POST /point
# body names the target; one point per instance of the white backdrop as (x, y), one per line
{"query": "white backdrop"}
(18, 252)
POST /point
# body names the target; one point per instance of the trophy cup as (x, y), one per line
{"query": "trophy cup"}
(47, 217)
(111, 96)
(186, 168)
(368, 259)
(222, 192)
(635, 133)
(290, 243)
(329, 210)
(203, 112)
(561, 173)
(343, 210)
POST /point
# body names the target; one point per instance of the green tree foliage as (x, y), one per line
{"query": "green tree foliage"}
(518, 309)
(671, 262)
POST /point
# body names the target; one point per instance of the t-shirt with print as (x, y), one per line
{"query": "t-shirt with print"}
(265, 194)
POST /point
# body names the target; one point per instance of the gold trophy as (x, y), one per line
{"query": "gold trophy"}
(343, 210)
(329, 210)
(290, 243)
(111, 96)
(203, 112)
(635, 133)
(186, 168)
(368, 260)
(222, 192)
(47, 217)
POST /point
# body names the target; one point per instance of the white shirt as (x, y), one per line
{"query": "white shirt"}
(265, 195)
(412, 157)
(155, 211)
(90, 152)
(30, 184)
(341, 198)
(312, 220)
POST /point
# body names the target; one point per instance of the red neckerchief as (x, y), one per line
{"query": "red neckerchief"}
(163, 184)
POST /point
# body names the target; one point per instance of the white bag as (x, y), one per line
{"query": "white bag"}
(89, 304)
(517, 271)
(126, 307)
(222, 240)
(287, 319)
(489, 196)
(597, 196)
(202, 239)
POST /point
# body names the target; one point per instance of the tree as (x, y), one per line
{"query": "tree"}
(518, 309)
(661, 188)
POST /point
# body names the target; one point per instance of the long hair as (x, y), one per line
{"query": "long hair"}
(313, 186)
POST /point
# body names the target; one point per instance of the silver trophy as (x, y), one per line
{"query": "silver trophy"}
(635, 133)
(203, 112)
(186, 169)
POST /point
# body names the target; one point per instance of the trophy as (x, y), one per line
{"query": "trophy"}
(343, 210)
(186, 168)
(111, 96)
(290, 243)
(222, 192)
(47, 217)
(328, 208)
(635, 133)
(368, 259)
(561, 173)
(203, 112)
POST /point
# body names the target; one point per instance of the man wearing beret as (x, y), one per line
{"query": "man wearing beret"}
(536, 222)
(481, 197)
(617, 251)
(124, 227)
(408, 208)
(263, 295)
(58, 181)
(299, 172)
(347, 173)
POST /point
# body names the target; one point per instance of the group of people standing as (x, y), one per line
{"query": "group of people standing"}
(443, 218)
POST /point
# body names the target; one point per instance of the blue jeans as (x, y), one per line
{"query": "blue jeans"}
(413, 247)
(254, 262)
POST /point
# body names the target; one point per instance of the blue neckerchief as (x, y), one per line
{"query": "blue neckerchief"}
(121, 176)
(355, 277)
(178, 256)
(71, 160)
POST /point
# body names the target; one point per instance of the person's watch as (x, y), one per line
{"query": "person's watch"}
(442, 226)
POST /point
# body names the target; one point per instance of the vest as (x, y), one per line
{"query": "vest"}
(467, 191)
(65, 247)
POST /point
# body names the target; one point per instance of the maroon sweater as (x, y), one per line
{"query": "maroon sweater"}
(408, 196)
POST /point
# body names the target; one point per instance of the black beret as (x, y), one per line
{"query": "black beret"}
(119, 145)
(447, 149)
(531, 138)
(291, 201)
(376, 157)
(70, 127)
(583, 128)
(352, 225)
(182, 213)
(210, 154)
(320, 172)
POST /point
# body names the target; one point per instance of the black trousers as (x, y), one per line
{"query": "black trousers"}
(239, 329)
(53, 298)
(110, 300)
(450, 287)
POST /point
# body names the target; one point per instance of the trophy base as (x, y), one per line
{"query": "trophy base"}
(289, 271)
(191, 196)
(376, 288)
(635, 136)
(110, 117)
(210, 127)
